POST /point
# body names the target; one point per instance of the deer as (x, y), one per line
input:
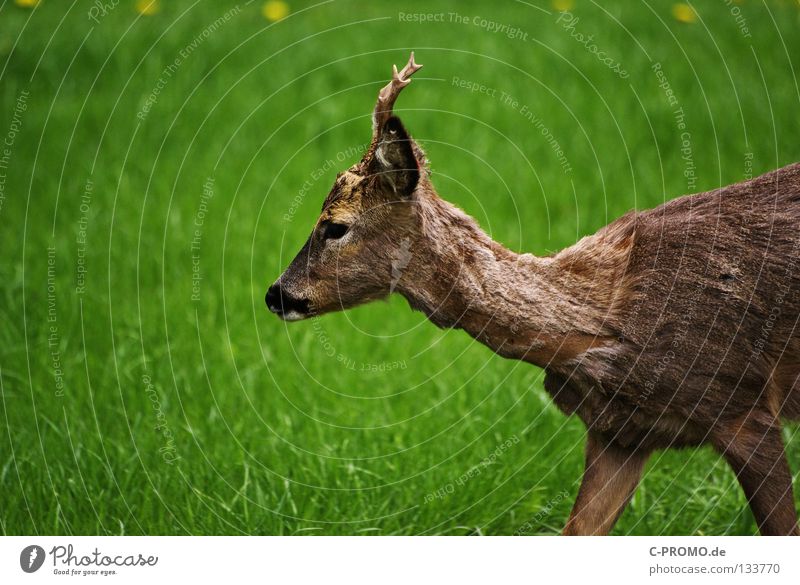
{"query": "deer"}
(671, 327)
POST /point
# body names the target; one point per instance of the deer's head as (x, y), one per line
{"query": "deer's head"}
(368, 224)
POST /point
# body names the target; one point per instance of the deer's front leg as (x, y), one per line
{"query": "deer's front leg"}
(609, 480)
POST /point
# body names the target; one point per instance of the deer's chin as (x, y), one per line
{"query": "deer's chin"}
(293, 316)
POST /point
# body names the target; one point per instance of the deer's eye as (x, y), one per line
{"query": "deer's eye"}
(334, 231)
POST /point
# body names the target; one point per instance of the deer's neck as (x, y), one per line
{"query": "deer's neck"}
(519, 305)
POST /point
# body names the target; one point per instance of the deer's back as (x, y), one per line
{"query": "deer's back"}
(704, 321)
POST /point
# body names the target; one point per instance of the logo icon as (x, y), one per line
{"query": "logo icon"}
(31, 558)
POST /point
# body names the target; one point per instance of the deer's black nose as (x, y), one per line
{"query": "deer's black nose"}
(285, 305)
(273, 298)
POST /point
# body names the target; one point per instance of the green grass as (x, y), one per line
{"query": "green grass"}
(276, 428)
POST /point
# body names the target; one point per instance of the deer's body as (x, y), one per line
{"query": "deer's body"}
(702, 329)
(672, 327)
(656, 329)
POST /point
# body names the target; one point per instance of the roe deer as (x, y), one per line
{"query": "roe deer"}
(671, 327)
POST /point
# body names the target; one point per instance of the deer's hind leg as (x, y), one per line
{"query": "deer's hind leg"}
(609, 480)
(754, 449)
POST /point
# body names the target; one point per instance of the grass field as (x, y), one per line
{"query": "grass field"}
(164, 168)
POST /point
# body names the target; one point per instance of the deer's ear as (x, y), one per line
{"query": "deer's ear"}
(394, 163)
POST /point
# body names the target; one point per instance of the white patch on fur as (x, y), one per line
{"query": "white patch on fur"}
(293, 316)
(386, 165)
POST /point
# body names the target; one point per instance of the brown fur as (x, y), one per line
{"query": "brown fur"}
(668, 328)
(611, 476)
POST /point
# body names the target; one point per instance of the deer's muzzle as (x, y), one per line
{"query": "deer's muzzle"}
(285, 306)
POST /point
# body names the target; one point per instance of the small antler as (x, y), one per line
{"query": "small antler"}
(388, 95)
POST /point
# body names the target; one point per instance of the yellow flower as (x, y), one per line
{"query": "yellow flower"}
(147, 7)
(275, 10)
(27, 3)
(563, 5)
(684, 13)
